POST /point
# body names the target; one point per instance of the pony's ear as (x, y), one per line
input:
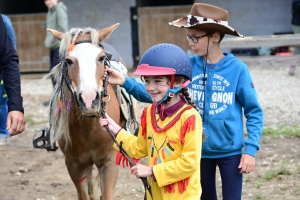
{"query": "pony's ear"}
(103, 33)
(58, 35)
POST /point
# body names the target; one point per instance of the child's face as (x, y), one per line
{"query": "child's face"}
(157, 87)
(51, 3)
(199, 47)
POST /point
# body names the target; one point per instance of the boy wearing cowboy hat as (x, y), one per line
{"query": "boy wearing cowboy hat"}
(224, 93)
(223, 90)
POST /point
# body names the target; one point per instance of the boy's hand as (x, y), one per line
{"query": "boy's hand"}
(247, 164)
(115, 77)
(15, 122)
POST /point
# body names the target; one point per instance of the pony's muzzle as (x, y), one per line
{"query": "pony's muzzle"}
(89, 103)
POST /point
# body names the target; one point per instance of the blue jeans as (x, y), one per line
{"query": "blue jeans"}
(3, 110)
(232, 180)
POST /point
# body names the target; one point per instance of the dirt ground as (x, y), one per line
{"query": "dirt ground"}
(27, 173)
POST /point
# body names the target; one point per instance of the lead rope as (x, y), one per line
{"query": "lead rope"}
(204, 79)
(124, 153)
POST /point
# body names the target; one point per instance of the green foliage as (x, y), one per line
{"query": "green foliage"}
(285, 130)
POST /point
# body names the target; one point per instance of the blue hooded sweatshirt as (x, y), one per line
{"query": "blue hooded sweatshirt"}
(229, 95)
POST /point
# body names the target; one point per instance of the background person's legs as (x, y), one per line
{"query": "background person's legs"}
(3, 115)
(54, 60)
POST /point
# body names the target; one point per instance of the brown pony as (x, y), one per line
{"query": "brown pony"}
(76, 102)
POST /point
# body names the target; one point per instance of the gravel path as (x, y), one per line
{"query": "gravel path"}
(278, 93)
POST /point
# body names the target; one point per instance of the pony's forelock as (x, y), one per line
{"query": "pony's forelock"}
(68, 37)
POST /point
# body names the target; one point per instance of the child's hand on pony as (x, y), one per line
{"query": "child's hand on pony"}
(112, 125)
(114, 77)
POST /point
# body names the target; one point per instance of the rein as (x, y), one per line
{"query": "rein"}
(119, 145)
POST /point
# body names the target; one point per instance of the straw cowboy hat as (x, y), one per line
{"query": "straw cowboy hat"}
(208, 18)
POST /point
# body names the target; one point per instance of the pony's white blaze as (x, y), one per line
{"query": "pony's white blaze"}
(86, 55)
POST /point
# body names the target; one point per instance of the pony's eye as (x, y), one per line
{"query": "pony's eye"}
(101, 59)
(69, 62)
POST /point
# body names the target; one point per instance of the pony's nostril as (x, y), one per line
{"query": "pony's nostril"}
(96, 102)
(81, 102)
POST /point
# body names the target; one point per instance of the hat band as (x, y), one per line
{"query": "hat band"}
(194, 20)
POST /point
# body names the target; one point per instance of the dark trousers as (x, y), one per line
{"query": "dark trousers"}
(54, 60)
(232, 180)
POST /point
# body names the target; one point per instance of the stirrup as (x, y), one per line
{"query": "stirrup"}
(135, 125)
(44, 142)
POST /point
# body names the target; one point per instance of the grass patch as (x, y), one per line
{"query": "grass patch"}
(297, 191)
(284, 172)
(29, 121)
(247, 179)
(275, 173)
(285, 130)
(270, 174)
(258, 197)
(258, 185)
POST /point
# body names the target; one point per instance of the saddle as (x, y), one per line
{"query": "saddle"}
(126, 102)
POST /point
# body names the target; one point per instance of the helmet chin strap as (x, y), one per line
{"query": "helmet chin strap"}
(169, 95)
(173, 91)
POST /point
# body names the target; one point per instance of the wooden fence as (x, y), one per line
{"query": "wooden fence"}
(153, 26)
(30, 33)
(265, 41)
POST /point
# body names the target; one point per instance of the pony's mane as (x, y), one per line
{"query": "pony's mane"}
(61, 101)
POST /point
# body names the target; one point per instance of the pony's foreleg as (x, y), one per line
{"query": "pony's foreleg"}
(108, 179)
(78, 176)
(90, 183)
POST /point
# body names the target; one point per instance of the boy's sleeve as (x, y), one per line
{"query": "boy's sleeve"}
(252, 111)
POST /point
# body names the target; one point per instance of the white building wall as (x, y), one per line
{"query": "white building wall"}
(257, 17)
(99, 14)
